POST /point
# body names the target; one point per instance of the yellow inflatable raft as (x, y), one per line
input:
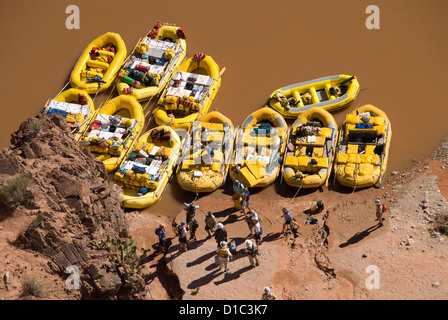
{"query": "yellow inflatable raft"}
(152, 63)
(190, 92)
(75, 105)
(99, 64)
(259, 147)
(144, 175)
(310, 149)
(113, 131)
(330, 93)
(208, 154)
(363, 148)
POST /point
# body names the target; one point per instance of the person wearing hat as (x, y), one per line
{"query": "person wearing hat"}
(191, 211)
(224, 255)
(220, 234)
(288, 220)
(252, 253)
(380, 209)
(238, 187)
(210, 223)
(267, 294)
(252, 219)
(183, 236)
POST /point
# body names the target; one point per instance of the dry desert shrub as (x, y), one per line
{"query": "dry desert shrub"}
(441, 224)
(34, 286)
(14, 192)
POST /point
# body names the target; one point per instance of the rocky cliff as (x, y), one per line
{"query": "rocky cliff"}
(72, 204)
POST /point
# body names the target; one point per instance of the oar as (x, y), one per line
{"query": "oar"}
(348, 80)
(332, 152)
(222, 72)
(284, 154)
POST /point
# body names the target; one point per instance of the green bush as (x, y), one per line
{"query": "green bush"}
(34, 286)
(33, 128)
(123, 258)
(14, 192)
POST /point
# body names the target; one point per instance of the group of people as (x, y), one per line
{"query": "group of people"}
(217, 230)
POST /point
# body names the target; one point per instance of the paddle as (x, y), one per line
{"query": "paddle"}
(348, 80)
(284, 153)
(222, 71)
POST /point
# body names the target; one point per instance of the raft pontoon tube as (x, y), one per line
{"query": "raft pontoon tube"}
(363, 147)
(190, 92)
(113, 131)
(75, 105)
(146, 172)
(259, 147)
(310, 149)
(207, 156)
(153, 62)
(99, 64)
(329, 93)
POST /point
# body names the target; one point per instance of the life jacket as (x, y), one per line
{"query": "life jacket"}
(158, 25)
(195, 223)
(199, 56)
(180, 33)
(93, 51)
(153, 33)
(82, 99)
(166, 136)
(155, 134)
(223, 252)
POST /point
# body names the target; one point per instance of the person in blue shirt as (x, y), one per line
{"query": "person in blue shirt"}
(288, 220)
(160, 231)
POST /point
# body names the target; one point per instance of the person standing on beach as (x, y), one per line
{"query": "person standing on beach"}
(224, 255)
(245, 200)
(191, 211)
(251, 218)
(288, 220)
(238, 187)
(210, 223)
(182, 229)
(258, 231)
(220, 234)
(267, 294)
(160, 231)
(380, 209)
(252, 253)
(193, 225)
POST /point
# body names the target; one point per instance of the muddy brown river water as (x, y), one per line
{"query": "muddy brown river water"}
(264, 45)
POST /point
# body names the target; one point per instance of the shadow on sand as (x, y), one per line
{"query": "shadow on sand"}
(359, 236)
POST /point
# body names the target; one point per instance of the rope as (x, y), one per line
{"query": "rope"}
(258, 212)
(63, 88)
(301, 185)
